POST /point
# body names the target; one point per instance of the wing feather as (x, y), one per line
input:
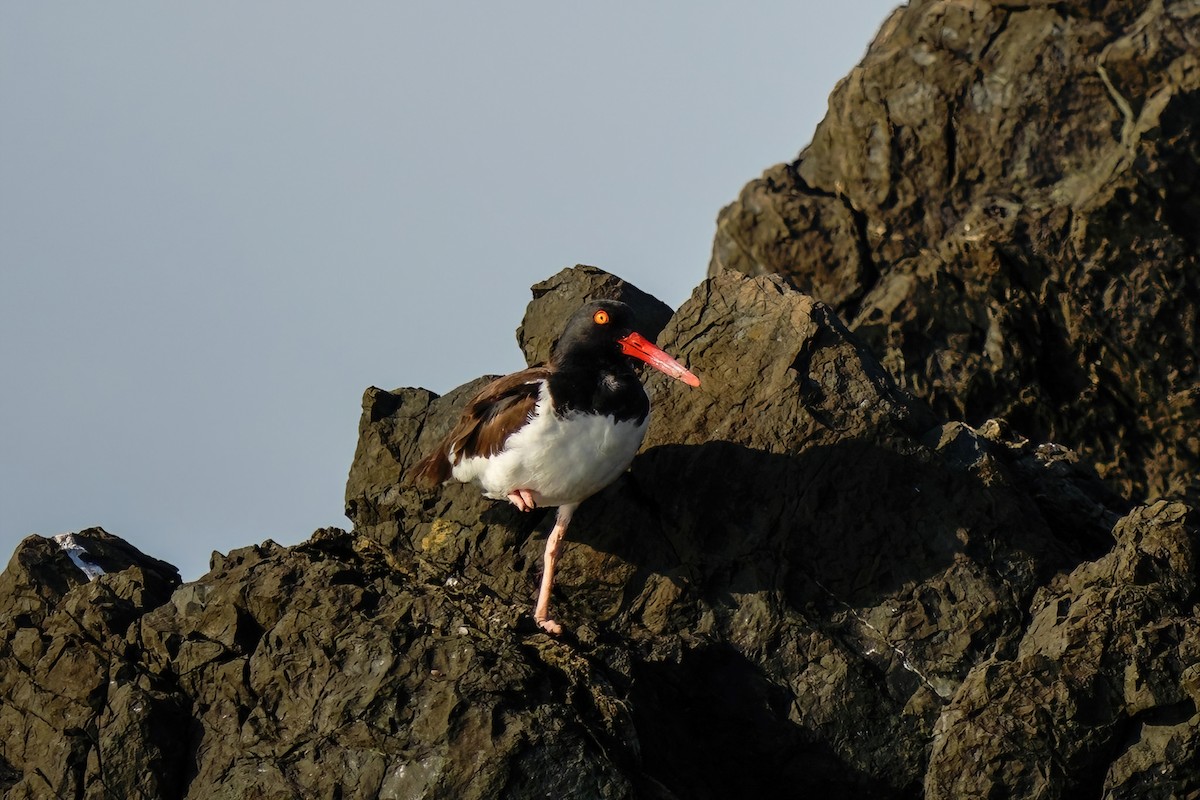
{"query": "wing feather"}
(489, 418)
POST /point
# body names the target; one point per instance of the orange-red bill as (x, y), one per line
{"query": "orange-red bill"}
(638, 346)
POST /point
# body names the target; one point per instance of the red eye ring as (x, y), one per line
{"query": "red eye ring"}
(600, 317)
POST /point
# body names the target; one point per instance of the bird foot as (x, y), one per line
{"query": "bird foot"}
(523, 499)
(548, 625)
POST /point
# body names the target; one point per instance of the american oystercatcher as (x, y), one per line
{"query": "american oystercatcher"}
(554, 435)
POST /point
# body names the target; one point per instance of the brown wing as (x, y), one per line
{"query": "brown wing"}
(491, 416)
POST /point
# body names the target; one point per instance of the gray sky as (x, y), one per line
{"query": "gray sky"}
(220, 222)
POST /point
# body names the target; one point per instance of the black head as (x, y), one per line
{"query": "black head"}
(594, 331)
(602, 333)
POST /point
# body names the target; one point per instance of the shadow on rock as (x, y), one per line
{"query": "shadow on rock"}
(713, 725)
(849, 525)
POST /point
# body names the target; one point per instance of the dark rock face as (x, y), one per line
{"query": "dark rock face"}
(803, 563)
(333, 667)
(1101, 693)
(80, 716)
(804, 570)
(828, 573)
(1001, 203)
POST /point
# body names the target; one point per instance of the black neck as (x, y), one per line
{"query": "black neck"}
(610, 387)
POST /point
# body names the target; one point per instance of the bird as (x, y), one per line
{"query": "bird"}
(554, 434)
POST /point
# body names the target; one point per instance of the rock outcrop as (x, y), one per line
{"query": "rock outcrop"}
(909, 554)
(804, 569)
(1001, 203)
(79, 714)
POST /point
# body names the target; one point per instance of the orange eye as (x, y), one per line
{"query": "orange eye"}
(600, 317)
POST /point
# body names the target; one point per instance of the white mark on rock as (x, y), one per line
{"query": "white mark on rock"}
(937, 688)
(78, 555)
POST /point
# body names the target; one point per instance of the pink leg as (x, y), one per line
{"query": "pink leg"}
(541, 612)
(523, 499)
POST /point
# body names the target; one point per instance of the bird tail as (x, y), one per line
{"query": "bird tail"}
(431, 471)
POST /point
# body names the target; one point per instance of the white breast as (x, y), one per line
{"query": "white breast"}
(563, 459)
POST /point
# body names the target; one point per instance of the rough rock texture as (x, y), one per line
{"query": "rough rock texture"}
(1001, 202)
(1101, 695)
(334, 670)
(80, 716)
(804, 569)
(851, 564)
(809, 568)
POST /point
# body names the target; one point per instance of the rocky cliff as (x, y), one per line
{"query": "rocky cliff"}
(927, 529)
(1001, 203)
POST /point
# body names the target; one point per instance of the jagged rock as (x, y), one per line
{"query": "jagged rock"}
(1100, 697)
(333, 670)
(79, 715)
(811, 581)
(797, 532)
(1001, 203)
(803, 570)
